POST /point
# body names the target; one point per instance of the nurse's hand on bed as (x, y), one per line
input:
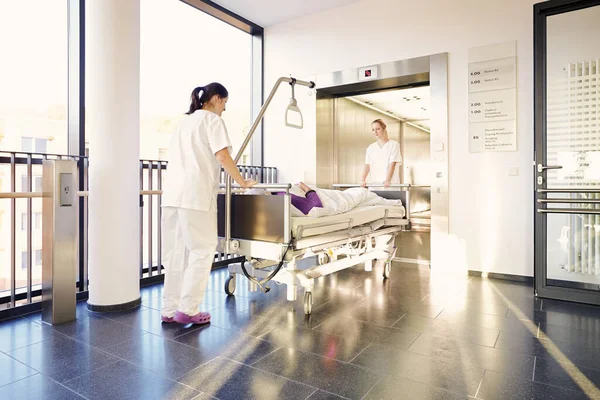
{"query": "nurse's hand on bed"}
(363, 184)
(248, 183)
(386, 184)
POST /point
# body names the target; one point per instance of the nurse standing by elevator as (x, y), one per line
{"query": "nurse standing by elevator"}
(199, 147)
(382, 158)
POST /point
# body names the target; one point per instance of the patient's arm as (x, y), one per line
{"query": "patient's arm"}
(305, 188)
(305, 204)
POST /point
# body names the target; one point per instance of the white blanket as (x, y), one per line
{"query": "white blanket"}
(338, 202)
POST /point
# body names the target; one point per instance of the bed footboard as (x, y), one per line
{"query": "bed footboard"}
(257, 217)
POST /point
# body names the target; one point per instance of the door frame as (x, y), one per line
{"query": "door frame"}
(541, 12)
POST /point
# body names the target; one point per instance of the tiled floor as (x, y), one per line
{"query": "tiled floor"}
(412, 337)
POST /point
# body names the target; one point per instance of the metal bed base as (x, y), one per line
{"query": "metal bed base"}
(358, 249)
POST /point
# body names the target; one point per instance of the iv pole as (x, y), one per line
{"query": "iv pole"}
(234, 245)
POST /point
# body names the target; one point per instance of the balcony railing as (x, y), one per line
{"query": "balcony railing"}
(20, 227)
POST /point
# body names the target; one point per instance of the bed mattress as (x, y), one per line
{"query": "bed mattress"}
(308, 226)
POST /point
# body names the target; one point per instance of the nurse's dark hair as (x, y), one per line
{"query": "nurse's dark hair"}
(203, 94)
(380, 122)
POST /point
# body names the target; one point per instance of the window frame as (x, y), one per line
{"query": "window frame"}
(76, 91)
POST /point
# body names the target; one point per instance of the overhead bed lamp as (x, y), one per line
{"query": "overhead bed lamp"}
(292, 111)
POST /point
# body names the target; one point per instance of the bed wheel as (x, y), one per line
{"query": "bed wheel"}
(307, 303)
(230, 285)
(387, 269)
(323, 258)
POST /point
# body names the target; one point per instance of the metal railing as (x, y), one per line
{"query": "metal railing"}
(20, 175)
(20, 192)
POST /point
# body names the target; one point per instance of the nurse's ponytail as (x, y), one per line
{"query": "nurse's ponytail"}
(203, 94)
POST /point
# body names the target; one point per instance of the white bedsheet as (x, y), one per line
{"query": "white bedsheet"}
(337, 202)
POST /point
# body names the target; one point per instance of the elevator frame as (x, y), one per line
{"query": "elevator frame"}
(429, 70)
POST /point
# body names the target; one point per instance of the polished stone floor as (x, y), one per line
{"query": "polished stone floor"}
(415, 336)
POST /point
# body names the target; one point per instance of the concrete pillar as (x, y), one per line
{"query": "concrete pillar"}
(113, 102)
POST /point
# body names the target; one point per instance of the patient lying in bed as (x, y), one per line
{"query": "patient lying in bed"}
(315, 202)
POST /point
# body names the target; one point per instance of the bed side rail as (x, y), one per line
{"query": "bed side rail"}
(257, 217)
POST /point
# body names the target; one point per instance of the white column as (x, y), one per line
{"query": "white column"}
(113, 103)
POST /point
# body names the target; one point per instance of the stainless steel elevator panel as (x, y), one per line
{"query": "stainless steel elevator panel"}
(418, 167)
(59, 242)
(326, 167)
(352, 135)
(414, 71)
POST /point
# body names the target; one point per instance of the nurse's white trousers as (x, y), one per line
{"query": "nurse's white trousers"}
(189, 240)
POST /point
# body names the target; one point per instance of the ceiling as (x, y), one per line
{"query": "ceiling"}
(270, 12)
(411, 104)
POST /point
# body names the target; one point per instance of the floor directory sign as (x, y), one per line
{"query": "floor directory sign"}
(493, 97)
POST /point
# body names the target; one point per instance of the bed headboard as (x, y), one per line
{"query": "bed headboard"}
(254, 217)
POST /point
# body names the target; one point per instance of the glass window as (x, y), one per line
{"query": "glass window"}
(38, 257)
(173, 62)
(36, 184)
(41, 145)
(163, 154)
(23, 222)
(38, 220)
(24, 260)
(27, 144)
(33, 98)
(33, 145)
(33, 102)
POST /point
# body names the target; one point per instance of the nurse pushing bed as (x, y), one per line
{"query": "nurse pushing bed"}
(382, 158)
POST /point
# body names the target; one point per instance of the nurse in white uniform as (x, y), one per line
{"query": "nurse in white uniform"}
(382, 158)
(199, 147)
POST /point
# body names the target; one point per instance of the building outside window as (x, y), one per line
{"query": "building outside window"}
(174, 52)
(33, 111)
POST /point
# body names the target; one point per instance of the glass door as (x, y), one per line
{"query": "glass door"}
(567, 150)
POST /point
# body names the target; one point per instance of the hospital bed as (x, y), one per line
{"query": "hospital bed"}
(261, 228)
(273, 241)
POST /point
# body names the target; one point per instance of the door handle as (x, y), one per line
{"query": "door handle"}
(542, 168)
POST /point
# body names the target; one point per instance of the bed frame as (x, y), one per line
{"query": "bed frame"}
(261, 229)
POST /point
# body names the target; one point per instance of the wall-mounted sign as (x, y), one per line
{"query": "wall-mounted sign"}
(493, 136)
(367, 73)
(496, 105)
(492, 75)
(493, 98)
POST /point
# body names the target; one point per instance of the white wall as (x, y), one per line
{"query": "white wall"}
(491, 213)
